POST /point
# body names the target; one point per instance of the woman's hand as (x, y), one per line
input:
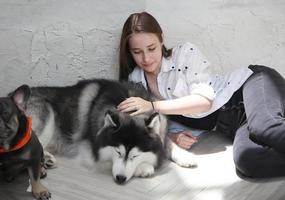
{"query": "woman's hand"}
(184, 139)
(135, 105)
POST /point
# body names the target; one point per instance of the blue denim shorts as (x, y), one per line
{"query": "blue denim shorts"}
(175, 127)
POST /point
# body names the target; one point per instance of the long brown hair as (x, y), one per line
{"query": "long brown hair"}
(137, 23)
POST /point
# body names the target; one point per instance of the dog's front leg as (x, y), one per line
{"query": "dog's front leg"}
(39, 191)
(178, 155)
(144, 170)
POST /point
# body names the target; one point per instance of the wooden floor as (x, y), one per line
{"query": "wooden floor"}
(214, 179)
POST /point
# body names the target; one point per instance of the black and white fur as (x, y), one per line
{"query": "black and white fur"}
(66, 116)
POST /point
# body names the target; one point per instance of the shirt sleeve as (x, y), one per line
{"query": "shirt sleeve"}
(195, 69)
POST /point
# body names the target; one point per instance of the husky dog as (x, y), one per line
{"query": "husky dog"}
(136, 145)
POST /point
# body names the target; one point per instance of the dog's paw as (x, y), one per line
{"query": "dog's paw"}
(49, 160)
(182, 157)
(144, 170)
(41, 193)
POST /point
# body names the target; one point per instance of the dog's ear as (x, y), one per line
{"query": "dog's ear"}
(111, 119)
(153, 123)
(20, 96)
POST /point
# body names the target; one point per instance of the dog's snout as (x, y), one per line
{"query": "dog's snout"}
(120, 179)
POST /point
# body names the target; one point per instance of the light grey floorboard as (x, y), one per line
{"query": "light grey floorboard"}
(214, 179)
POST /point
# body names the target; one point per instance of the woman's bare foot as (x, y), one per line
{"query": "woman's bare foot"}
(184, 139)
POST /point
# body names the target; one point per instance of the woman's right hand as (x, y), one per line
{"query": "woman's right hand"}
(135, 105)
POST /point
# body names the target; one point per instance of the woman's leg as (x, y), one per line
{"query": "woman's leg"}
(254, 160)
(264, 102)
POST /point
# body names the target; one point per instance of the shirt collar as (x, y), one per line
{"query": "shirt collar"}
(166, 66)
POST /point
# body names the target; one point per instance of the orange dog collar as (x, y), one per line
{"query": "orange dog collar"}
(24, 140)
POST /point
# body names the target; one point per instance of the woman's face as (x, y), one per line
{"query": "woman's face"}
(146, 50)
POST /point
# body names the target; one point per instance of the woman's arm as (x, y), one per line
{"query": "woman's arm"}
(187, 105)
(184, 105)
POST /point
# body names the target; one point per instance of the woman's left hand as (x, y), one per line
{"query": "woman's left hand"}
(135, 105)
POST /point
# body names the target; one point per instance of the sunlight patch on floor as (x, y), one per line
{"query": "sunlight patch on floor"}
(210, 194)
(215, 170)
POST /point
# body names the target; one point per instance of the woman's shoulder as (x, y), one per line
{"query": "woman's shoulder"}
(188, 54)
(184, 48)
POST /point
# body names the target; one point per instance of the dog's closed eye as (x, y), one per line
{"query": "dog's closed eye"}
(133, 157)
(119, 153)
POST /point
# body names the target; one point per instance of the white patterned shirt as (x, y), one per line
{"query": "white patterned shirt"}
(187, 72)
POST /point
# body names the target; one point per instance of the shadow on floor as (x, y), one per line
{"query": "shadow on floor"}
(214, 141)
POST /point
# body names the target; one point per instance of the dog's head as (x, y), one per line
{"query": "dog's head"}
(11, 111)
(131, 142)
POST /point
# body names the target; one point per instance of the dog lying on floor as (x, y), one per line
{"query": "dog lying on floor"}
(19, 147)
(65, 116)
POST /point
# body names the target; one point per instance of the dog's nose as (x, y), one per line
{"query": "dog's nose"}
(120, 179)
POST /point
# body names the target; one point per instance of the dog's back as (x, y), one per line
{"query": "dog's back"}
(63, 115)
(55, 113)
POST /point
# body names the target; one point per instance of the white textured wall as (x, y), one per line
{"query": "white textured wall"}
(57, 42)
(231, 33)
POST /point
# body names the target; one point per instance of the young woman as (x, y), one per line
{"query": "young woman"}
(248, 103)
